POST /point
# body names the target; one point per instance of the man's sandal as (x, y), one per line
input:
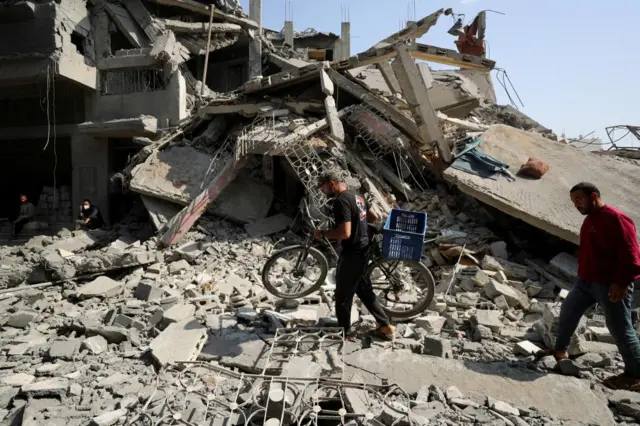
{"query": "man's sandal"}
(622, 382)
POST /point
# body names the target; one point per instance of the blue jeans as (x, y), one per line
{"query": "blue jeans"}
(584, 295)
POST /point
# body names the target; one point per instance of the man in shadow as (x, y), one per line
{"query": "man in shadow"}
(26, 214)
(90, 216)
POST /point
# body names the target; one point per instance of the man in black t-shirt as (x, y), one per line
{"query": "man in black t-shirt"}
(351, 212)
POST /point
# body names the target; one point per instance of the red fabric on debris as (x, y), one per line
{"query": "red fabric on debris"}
(534, 168)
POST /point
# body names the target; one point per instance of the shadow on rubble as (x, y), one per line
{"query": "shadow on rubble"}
(517, 371)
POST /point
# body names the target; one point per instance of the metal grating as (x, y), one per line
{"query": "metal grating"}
(306, 163)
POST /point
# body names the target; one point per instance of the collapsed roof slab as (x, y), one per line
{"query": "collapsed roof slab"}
(284, 79)
(121, 128)
(142, 16)
(286, 63)
(127, 25)
(545, 203)
(201, 27)
(202, 9)
(413, 31)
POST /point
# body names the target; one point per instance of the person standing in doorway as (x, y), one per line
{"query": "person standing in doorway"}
(608, 264)
(26, 214)
(90, 216)
(351, 213)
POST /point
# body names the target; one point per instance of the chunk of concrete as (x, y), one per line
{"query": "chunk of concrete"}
(102, 287)
(178, 266)
(95, 345)
(55, 386)
(178, 313)
(489, 319)
(499, 249)
(526, 348)
(181, 341)
(505, 409)
(513, 271)
(431, 324)
(241, 285)
(335, 125)
(19, 379)
(109, 418)
(566, 264)
(436, 346)
(21, 319)
(514, 297)
(64, 349)
(190, 251)
(148, 292)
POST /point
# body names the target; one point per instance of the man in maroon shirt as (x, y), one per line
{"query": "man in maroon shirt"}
(608, 264)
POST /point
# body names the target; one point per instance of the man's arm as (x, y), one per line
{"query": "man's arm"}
(625, 239)
(342, 216)
(30, 211)
(94, 213)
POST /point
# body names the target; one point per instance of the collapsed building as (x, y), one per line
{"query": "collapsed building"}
(198, 132)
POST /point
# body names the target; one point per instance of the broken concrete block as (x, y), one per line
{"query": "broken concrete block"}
(501, 303)
(19, 379)
(181, 341)
(148, 292)
(568, 367)
(468, 299)
(241, 285)
(505, 409)
(565, 264)
(526, 348)
(178, 266)
(437, 346)
(56, 386)
(190, 251)
(95, 345)
(601, 334)
(64, 349)
(122, 321)
(513, 296)
(21, 319)
(326, 84)
(499, 249)
(431, 324)
(489, 319)
(178, 313)
(247, 313)
(109, 418)
(478, 276)
(100, 287)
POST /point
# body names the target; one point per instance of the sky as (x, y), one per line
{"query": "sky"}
(573, 63)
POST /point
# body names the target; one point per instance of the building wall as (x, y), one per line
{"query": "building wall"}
(27, 28)
(169, 106)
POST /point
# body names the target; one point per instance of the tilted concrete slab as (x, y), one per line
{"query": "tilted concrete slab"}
(181, 341)
(564, 397)
(203, 9)
(415, 30)
(200, 27)
(180, 174)
(160, 211)
(121, 128)
(127, 25)
(286, 63)
(545, 203)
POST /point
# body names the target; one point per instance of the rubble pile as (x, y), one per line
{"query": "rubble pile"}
(166, 318)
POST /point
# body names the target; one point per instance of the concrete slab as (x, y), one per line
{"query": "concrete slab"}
(100, 287)
(545, 203)
(181, 341)
(237, 349)
(121, 128)
(127, 25)
(179, 175)
(564, 397)
(160, 211)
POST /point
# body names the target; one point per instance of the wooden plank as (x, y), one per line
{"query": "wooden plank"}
(181, 223)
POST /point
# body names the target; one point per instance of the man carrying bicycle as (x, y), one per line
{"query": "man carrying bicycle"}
(351, 213)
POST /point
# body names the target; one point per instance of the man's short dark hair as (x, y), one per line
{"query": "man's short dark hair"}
(329, 176)
(86, 200)
(587, 188)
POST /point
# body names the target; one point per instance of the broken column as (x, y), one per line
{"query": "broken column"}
(335, 125)
(414, 88)
(345, 40)
(255, 46)
(288, 33)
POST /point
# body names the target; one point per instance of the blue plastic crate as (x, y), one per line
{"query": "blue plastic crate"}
(403, 235)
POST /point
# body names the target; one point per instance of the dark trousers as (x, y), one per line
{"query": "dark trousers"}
(19, 224)
(349, 282)
(584, 295)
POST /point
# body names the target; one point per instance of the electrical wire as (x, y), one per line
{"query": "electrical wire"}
(48, 118)
(55, 147)
(503, 79)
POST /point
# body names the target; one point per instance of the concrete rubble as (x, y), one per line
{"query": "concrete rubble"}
(140, 322)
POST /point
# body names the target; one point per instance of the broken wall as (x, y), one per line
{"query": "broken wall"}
(169, 106)
(27, 28)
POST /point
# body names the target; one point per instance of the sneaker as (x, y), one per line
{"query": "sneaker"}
(386, 332)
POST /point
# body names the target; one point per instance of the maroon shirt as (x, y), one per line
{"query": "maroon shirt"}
(609, 250)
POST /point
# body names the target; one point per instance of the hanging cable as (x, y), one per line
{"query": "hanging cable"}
(48, 118)
(55, 147)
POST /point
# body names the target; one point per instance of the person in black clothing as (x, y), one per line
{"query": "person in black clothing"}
(27, 214)
(351, 212)
(90, 216)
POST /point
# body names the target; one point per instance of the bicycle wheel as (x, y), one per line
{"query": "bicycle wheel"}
(403, 288)
(295, 272)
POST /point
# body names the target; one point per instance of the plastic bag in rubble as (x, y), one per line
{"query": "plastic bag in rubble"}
(534, 168)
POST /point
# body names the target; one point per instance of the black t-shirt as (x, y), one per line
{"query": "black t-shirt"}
(350, 207)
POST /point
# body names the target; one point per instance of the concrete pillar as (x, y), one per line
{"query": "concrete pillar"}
(176, 99)
(409, 24)
(288, 33)
(345, 40)
(414, 83)
(255, 47)
(90, 164)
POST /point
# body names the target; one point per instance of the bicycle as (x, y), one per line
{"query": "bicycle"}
(399, 275)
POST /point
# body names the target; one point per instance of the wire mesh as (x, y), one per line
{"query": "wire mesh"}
(308, 166)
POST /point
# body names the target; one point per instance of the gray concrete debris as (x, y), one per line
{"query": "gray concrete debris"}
(100, 287)
(180, 341)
